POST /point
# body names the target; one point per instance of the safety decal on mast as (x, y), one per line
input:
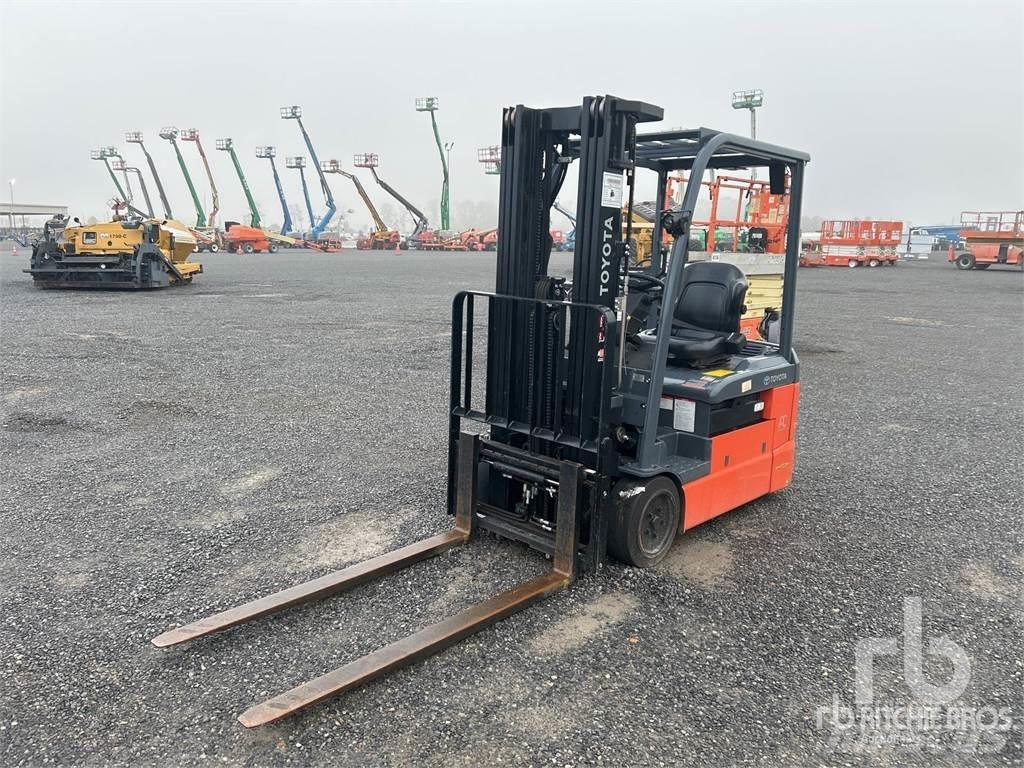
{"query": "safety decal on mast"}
(611, 190)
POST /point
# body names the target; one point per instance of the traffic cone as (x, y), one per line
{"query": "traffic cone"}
(398, 246)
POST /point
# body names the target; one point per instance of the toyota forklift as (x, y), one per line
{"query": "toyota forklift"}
(616, 408)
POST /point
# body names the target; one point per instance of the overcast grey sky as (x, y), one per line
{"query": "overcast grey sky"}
(910, 110)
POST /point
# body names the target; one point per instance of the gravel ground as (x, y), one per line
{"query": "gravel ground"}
(169, 454)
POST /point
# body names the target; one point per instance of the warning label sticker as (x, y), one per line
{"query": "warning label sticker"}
(666, 403)
(684, 416)
(611, 190)
(719, 372)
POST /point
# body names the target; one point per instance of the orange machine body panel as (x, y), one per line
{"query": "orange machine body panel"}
(992, 237)
(240, 235)
(747, 463)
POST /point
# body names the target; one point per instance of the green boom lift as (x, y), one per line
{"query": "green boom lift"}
(227, 145)
(104, 154)
(171, 134)
(431, 104)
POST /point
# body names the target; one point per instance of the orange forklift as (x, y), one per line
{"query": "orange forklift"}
(620, 407)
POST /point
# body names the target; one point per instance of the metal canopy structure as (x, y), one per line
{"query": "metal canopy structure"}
(678, 150)
(22, 209)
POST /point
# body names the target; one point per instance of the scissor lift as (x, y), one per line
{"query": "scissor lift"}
(617, 409)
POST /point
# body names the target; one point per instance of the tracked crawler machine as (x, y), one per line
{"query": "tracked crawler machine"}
(129, 252)
(615, 409)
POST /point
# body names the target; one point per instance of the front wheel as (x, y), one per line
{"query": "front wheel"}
(873, 263)
(214, 248)
(248, 248)
(644, 521)
(965, 261)
(273, 248)
(853, 263)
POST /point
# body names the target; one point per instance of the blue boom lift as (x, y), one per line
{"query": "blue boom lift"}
(295, 113)
(270, 153)
(299, 163)
(570, 237)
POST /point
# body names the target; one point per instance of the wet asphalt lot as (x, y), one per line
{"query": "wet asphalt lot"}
(165, 455)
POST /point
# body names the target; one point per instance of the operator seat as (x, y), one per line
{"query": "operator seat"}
(706, 326)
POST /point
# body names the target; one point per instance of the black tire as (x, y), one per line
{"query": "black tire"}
(981, 266)
(965, 261)
(644, 521)
(248, 248)
(214, 248)
(273, 248)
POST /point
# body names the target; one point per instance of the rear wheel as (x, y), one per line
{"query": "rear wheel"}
(873, 263)
(965, 261)
(214, 248)
(273, 248)
(248, 248)
(853, 263)
(644, 521)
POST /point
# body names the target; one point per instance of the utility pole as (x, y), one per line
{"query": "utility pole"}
(11, 185)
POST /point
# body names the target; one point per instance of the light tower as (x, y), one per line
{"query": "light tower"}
(171, 134)
(749, 100)
(135, 137)
(191, 134)
(491, 158)
(431, 104)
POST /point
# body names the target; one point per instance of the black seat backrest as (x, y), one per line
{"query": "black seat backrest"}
(712, 296)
